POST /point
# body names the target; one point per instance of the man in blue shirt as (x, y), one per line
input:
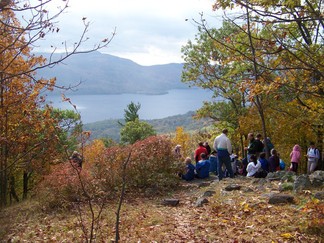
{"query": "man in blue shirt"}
(190, 170)
(202, 167)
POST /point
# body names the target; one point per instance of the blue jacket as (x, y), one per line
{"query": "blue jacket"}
(190, 175)
(202, 169)
(264, 164)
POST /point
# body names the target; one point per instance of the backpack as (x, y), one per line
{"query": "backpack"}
(317, 153)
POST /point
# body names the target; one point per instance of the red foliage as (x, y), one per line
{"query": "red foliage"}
(151, 164)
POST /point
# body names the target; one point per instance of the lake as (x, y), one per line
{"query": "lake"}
(102, 107)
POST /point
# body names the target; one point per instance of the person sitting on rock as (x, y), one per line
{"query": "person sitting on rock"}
(190, 170)
(202, 167)
(274, 161)
(264, 162)
(253, 167)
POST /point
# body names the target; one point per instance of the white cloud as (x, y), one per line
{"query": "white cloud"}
(148, 32)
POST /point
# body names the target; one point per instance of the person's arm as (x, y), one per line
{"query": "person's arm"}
(215, 144)
(317, 154)
(229, 146)
(249, 167)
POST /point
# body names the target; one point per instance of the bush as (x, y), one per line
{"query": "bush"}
(151, 165)
(59, 188)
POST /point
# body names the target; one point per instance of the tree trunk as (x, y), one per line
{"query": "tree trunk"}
(3, 150)
(25, 185)
(13, 190)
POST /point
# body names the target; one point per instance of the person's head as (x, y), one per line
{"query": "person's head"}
(250, 136)
(203, 156)
(188, 160)
(225, 131)
(273, 152)
(253, 158)
(262, 155)
(312, 144)
(205, 143)
(75, 153)
(201, 144)
(259, 136)
(297, 148)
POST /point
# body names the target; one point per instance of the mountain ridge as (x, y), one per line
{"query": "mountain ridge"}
(100, 73)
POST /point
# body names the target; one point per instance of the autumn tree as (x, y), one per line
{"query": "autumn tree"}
(292, 44)
(27, 130)
(210, 65)
(275, 48)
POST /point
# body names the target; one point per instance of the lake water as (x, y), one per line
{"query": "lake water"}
(102, 107)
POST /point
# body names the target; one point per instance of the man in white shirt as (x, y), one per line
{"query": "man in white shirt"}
(313, 157)
(223, 146)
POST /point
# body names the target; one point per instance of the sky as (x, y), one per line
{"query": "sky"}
(148, 32)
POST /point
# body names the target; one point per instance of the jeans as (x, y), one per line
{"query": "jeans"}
(311, 166)
(227, 161)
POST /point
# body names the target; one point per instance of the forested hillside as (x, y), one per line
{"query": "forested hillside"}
(111, 128)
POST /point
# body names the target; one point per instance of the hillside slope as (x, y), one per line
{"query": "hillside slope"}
(111, 128)
(106, 74)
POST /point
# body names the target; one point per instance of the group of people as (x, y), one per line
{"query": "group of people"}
(255, 164)
(208, 160)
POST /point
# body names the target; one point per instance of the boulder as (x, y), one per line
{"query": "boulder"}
(281, 199)
(317, 178)
(204, 184)
(319, 195)
(209, 193)
(289, 177)
(170, 202)
(232, 187)
(286, 186)
(302, 182)
(201, 201)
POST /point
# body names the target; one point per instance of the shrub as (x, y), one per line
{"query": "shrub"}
(152, 164)
(59, 188)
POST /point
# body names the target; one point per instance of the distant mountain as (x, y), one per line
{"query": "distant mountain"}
(106, 74)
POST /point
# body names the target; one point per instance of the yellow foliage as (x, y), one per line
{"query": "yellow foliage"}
(182, 138)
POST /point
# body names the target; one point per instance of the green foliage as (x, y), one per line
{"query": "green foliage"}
(111, 130)
(136, 130)
(131, 113)
(68, 129)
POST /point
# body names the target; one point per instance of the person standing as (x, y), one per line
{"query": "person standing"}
(313, 156)
(223, 146)
(258, 145)
(206, 145)
(201, 149)
(251, 148)
(295, 156)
